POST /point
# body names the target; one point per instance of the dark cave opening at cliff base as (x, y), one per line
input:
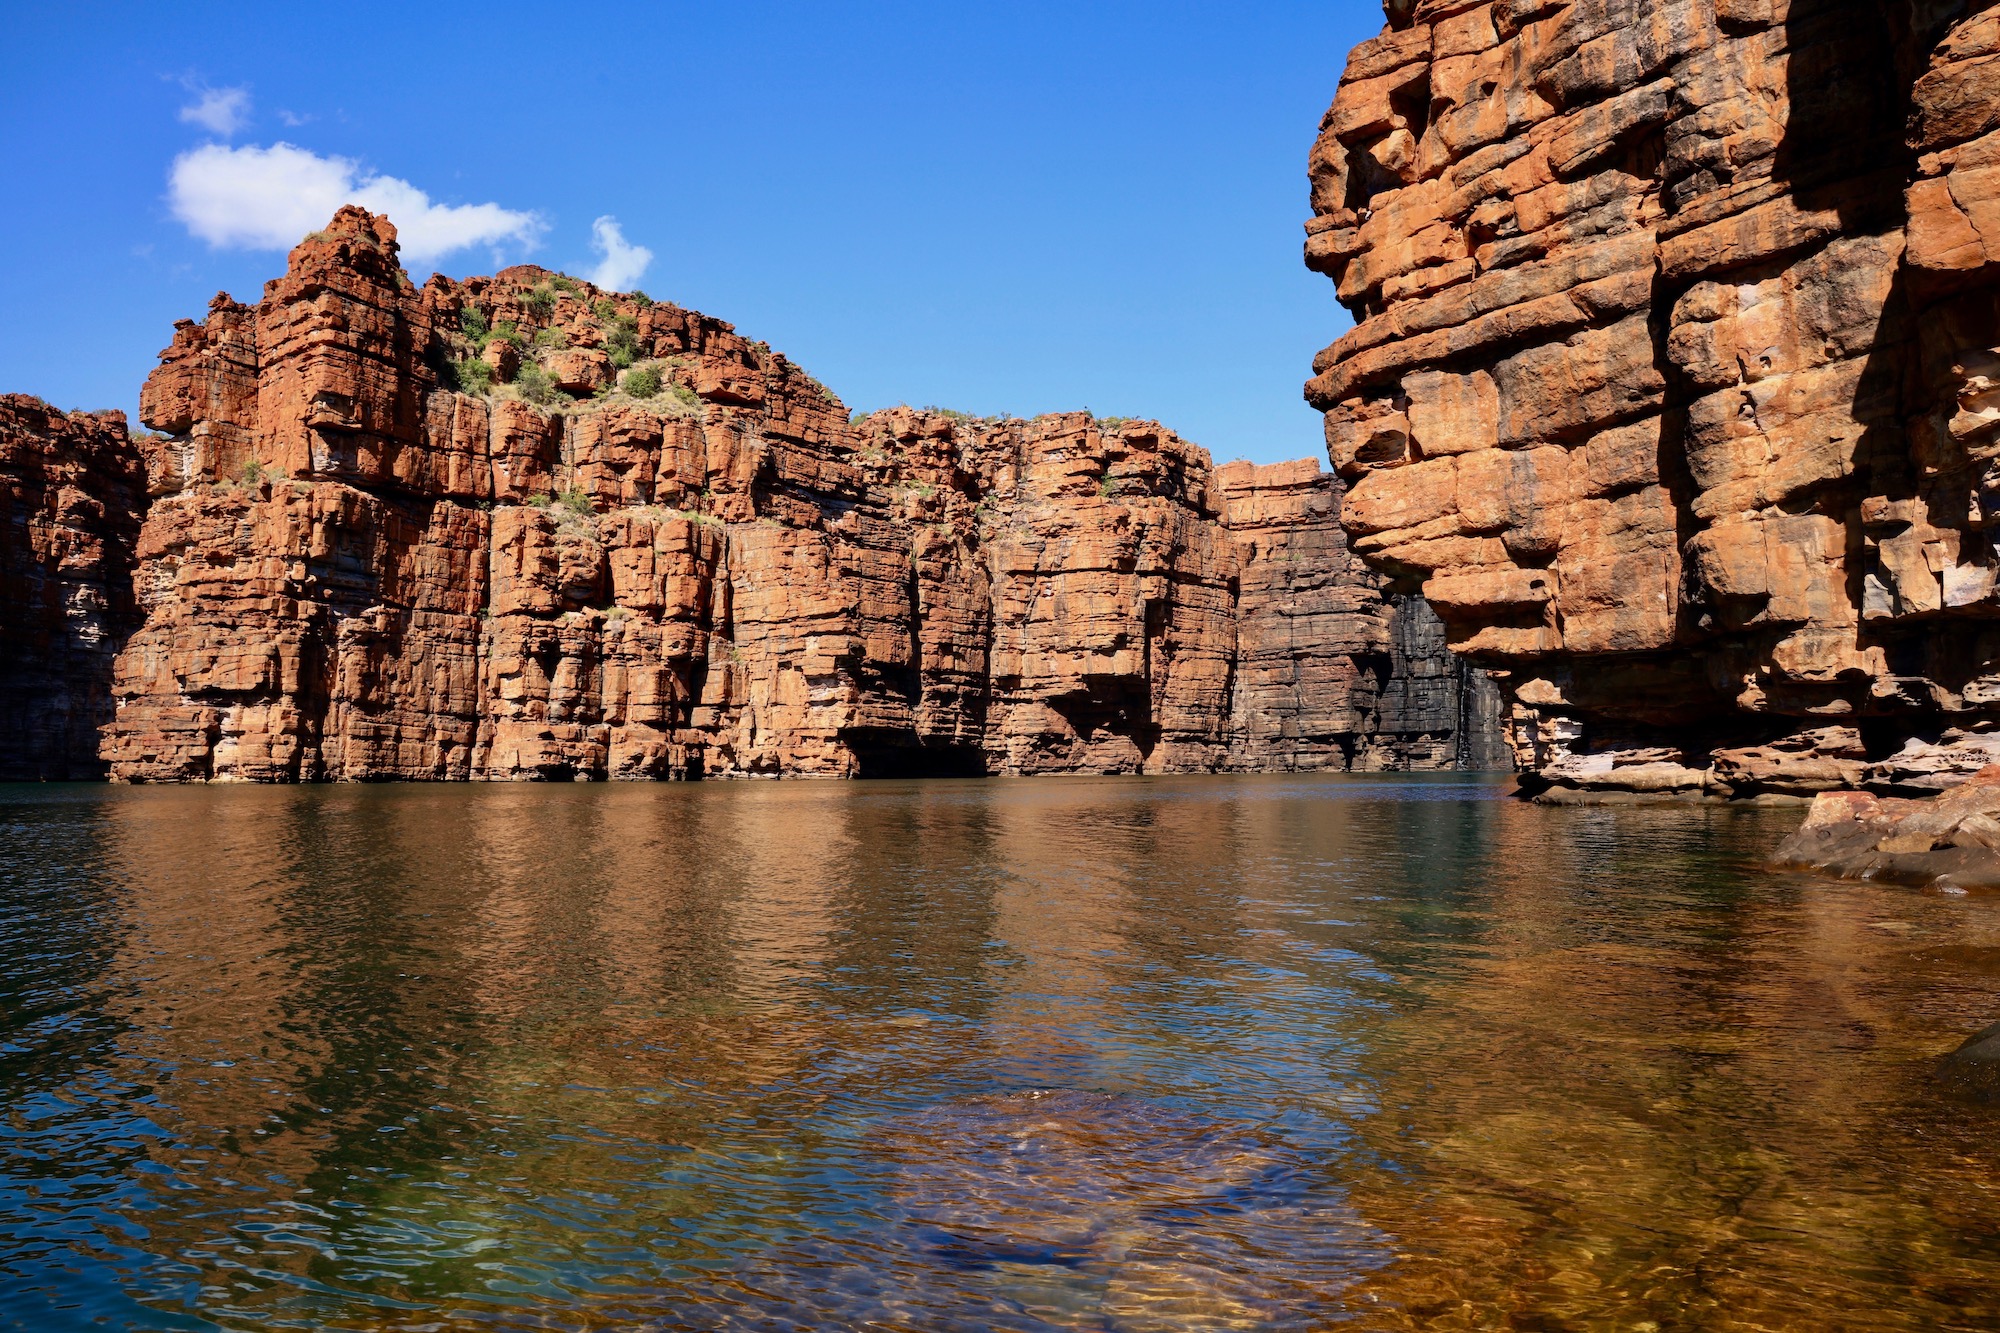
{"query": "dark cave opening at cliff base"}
(883, 753)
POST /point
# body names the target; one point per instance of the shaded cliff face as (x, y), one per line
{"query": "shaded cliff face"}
(520, 528)
(1333, 671)
(72, 488)
(1675, 380)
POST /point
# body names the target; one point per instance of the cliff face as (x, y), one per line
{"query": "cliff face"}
(1675, 380)
(1332, 671)
(519, 528)
(72, 488)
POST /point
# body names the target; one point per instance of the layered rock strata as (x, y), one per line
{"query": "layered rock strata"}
(517, 527)
(72, 488)
(1332, 671)
(1675, 376)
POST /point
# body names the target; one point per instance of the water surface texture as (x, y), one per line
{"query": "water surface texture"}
(1260, 1053)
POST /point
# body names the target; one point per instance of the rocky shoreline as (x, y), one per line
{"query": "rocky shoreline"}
(1949, 841)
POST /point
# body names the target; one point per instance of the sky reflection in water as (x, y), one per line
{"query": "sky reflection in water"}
(1064, 1054)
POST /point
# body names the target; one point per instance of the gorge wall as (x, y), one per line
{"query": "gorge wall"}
(517, 527)
(1675, 375)
(72, 490)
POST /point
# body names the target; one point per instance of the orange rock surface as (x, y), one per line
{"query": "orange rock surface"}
(517, 527)
(1675, 376)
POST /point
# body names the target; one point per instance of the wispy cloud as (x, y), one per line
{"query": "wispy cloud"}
(623, 263)
(268, 198)
(220, 111)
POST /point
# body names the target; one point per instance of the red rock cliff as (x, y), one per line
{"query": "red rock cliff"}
(518, 527)
(1675, 377)
(71, 492)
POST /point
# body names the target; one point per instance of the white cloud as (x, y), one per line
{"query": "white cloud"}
(623, 263)
(268, 199)
(219, 110)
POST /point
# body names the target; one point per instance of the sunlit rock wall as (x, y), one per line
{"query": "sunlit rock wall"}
(519, 528)
(1673, 379)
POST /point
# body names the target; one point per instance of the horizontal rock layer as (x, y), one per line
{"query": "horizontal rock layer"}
(1675, 376)
(517, 527)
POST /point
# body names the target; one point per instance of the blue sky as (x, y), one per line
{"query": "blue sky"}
(1024, 207)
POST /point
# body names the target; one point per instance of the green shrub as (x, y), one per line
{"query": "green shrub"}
(541, 302)
(555, 338)
(574, 500)
(643, 382)
(507, 331)
(687, 395)
(563, 282)
(640, 299)
(472, 323)
(606, 308)
(949, 413)
(533, 383)
(623, 341)
(1106, 487)
(252, 473)
(469, 374)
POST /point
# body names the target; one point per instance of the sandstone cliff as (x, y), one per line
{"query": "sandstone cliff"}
(72, 488)
(1675, 376)
(517, 527)
(1332, 670)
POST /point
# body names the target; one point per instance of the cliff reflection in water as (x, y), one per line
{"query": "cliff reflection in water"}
(1076, 1054)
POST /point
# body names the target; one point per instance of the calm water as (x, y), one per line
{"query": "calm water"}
(1066, 1054)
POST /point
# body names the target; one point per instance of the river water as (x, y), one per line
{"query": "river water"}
(1131, 1054)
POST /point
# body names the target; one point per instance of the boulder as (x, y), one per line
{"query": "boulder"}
(1951, 841)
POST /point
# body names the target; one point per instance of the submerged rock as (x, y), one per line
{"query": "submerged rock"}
(1067, 1210)
(1974, 1068)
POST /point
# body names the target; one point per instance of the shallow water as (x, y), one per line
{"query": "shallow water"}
(1260, 1053)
